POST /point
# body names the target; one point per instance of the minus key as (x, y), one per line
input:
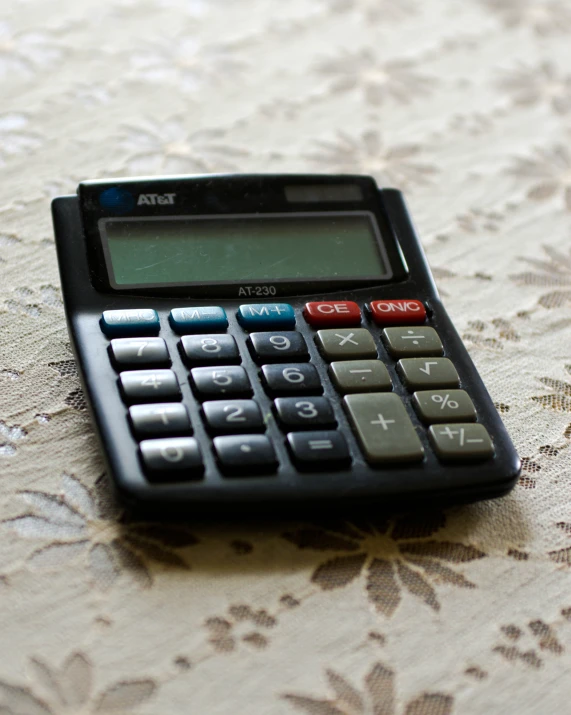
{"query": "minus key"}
(360, 376)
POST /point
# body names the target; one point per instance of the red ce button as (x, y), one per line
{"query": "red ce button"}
(398, 312)
(332, 313)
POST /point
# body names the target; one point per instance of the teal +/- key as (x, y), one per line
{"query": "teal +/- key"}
(265, 316)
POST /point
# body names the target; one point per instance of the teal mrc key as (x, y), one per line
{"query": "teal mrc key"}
(262, 316)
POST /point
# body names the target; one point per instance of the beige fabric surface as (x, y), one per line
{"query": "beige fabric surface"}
(466, 105)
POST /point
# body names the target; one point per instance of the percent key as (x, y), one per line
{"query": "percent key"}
(438, 406)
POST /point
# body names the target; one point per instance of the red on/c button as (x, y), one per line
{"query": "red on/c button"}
(398, 312)
(332, 313)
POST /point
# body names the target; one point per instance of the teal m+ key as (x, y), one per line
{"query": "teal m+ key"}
(264, 316)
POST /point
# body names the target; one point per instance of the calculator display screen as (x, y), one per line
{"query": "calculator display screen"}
(173, 251)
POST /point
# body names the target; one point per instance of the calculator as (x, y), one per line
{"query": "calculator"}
(270, 340)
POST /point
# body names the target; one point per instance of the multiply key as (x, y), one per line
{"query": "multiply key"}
(346, 344)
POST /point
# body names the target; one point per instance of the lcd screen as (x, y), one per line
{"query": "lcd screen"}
(259, 247)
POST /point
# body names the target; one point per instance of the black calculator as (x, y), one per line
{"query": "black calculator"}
(270, 340)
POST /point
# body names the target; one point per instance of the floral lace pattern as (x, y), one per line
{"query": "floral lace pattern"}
(465, 106)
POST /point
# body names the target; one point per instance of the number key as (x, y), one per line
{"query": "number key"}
(149, 386)
(299, 379)
(217, 382)
(139, 352)
(169, 418)
(278, 347)
(172, 460)
(305, 412)
(208, 349)
(233, 416)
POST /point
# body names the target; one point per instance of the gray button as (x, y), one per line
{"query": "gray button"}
(208, 349)
(233, 416)
(139, 352)
(245, 456)
(419, 373)
(383, 427)
(413, 341)
(167, 418)
(360, 376)
(220, 382)
(444, 406)
(346, 343)
(304, 412)
(149, 386)
(172, 460)
(323, 450)
(461, 442)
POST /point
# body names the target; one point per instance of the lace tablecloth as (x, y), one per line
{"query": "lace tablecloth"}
(464, 105)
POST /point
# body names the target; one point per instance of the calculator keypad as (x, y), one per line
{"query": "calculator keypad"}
(149, 386)
(172, 460)
(210, 349)
(218, 382)
(305, 412)
(357, 370)
(168, 418)
(291, 379)
(278, 347)
(139, 352)
(346, 344)
(225, 417)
